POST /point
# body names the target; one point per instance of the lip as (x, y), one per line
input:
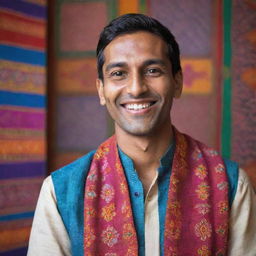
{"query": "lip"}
(138, 106)
(136, 101)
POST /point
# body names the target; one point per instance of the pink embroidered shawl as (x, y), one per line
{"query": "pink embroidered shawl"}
(197, 209)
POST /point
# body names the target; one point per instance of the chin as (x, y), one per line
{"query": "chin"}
(139, 133)
(143, 128)
(138, 130)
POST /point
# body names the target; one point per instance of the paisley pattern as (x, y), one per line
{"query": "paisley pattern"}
(201, 171)
(203, 208)
(108, 212)
(108, 222)
(203, 251)
(198, 186)
(203, 229)
(199, 190)
(203, 191)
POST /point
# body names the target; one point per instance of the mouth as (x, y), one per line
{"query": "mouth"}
(138, 106)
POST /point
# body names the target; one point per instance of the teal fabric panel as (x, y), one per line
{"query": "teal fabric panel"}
(137, 199)
(232, 170)
(69, 184)
(163, 186)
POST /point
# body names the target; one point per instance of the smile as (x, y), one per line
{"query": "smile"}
(137, 106)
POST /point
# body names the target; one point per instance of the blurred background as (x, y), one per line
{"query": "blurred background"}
(49, 109)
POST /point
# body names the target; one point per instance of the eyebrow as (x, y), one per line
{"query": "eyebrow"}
(115, 65)
(145, 63)
(153, 62)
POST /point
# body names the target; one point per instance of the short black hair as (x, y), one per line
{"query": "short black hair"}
(130, 23)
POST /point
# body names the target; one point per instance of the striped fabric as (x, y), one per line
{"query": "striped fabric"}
(22, 118)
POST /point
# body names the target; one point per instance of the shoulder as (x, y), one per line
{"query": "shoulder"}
(75, 168)
(48, 228)
(72, 176)
(244, 184)
(242, 236)
(232, 170)
(47, 188)
(68, 183)
(239, 182)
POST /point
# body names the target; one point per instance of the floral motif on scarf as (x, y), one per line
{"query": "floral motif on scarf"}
(197, 212)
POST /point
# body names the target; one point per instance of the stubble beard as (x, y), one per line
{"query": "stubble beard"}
(141, 127)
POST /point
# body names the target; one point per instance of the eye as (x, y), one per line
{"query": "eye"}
(154, 72)
(117, 74)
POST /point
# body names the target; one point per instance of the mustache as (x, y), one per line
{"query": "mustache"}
(145, 95)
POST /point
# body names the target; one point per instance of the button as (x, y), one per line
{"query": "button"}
(137, 194)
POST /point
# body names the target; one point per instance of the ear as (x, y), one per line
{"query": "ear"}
(178, 84)
(99, 85)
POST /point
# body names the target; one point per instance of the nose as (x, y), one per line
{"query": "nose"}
(136, 85)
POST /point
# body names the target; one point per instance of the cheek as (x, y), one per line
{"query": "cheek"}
(164, 88)
(111, 93)
(110, 98)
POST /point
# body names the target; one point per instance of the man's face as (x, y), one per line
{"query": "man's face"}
(138, 86)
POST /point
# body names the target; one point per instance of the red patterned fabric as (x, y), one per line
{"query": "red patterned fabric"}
(197, 208)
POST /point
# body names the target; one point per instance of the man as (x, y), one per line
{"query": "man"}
(148, 190)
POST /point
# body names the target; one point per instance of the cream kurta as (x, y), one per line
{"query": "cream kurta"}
(49, 236)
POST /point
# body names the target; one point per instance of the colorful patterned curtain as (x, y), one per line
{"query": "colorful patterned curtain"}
(22, 118)
(217, 41)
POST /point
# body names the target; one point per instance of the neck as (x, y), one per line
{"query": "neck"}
(145, 151)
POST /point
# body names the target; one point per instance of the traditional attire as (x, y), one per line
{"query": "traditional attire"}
(99, 205)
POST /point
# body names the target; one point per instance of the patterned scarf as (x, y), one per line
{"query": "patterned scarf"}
(197, 212)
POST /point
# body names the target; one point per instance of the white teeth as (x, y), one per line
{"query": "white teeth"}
(137, 106)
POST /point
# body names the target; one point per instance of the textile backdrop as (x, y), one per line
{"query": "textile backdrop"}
(22, 118)
(217, 40)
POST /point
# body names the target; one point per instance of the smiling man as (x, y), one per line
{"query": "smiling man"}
(147, 190)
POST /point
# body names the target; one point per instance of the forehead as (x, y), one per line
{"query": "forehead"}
(136, 46)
